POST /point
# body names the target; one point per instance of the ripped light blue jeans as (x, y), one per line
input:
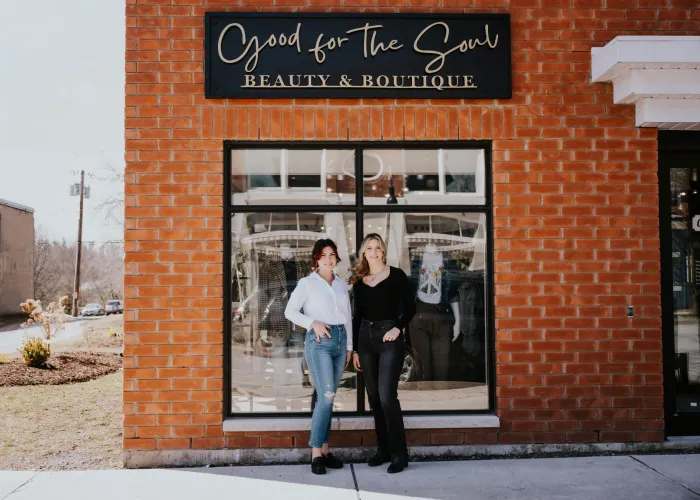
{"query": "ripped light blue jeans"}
(326, 360)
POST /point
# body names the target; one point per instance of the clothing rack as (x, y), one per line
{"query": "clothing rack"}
(253, 239)
(268, 250)
(428, 237)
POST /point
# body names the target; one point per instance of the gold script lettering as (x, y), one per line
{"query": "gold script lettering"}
(254, 44)
(319, 53)
(465, 45)
(372, 48)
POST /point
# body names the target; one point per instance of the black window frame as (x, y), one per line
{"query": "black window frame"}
(674, 147)
(359, 209)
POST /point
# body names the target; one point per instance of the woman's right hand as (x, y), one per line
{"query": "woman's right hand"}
(356, 361)
(321, 330)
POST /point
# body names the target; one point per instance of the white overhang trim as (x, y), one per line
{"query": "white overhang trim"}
(262, 424)
(660, 75)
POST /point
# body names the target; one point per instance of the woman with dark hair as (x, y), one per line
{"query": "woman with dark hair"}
(327, 317)
(383, 307)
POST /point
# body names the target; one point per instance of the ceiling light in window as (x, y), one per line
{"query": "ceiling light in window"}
(374, 188)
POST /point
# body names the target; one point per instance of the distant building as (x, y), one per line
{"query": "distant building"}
(16, 256)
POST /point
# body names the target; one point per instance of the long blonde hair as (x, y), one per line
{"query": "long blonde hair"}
(361, 268)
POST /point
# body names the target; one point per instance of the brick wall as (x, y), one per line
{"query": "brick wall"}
(576, 221)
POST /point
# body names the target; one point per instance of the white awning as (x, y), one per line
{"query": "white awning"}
(660, 75)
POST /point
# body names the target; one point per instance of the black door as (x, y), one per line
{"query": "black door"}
(679, 211)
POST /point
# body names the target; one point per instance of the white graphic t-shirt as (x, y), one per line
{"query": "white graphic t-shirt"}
(429, 287)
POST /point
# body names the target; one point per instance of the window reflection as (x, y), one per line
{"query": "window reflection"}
(685, 258)
(292, 176)
(424, 177)
(270, 254)
(443, 256)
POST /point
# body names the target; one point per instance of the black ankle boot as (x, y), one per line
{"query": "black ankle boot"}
(332, 462)
(317, 465)
(398, 463)
(379, 458)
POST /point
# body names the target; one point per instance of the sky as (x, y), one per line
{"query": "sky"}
(62, 110)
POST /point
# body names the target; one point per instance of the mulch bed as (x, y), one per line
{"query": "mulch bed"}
(66, 368)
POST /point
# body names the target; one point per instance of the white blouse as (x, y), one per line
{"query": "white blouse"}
(329, 304)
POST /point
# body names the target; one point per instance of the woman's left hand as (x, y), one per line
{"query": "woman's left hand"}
(348, 357)
(391, 335)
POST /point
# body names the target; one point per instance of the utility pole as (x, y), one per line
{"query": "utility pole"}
(76, 289)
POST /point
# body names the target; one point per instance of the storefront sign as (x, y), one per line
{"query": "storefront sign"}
(256, 55)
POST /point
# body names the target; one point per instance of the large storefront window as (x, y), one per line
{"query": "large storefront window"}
(277, 214)
(271, 252)
(443, 256)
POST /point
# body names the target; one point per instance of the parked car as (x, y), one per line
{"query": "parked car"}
(114, 307)
(92, 310)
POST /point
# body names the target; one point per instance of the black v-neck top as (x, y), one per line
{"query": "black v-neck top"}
(391, 299)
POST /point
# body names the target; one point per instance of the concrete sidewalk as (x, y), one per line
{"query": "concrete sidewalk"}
(647, 477)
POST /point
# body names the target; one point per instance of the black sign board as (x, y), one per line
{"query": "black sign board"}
(273, 55)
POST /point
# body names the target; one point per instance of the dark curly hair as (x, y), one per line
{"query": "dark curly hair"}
(317, 252)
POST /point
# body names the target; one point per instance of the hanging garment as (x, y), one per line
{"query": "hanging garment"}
(275, 279)
(471, 304)
(431, 338)
(430, 279)
(450, 278)
(471, 355)
(272, 298)
(470, 301)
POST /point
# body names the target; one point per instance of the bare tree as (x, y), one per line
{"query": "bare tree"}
(102, 271)
(54, 270)
(53, 267)
(46, 273)
(113, 207)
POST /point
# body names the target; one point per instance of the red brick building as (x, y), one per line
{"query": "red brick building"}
(558, 199)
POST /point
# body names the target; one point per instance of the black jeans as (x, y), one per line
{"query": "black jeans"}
(431, 338)
(381, 364)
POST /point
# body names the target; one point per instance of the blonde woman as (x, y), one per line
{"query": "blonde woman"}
(384, 306)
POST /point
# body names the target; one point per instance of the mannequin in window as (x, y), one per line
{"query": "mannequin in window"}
(436, 323)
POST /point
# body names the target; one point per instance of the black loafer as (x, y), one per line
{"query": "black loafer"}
(397, 464)
(332, 462)
(317, 465)
(379, 458)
